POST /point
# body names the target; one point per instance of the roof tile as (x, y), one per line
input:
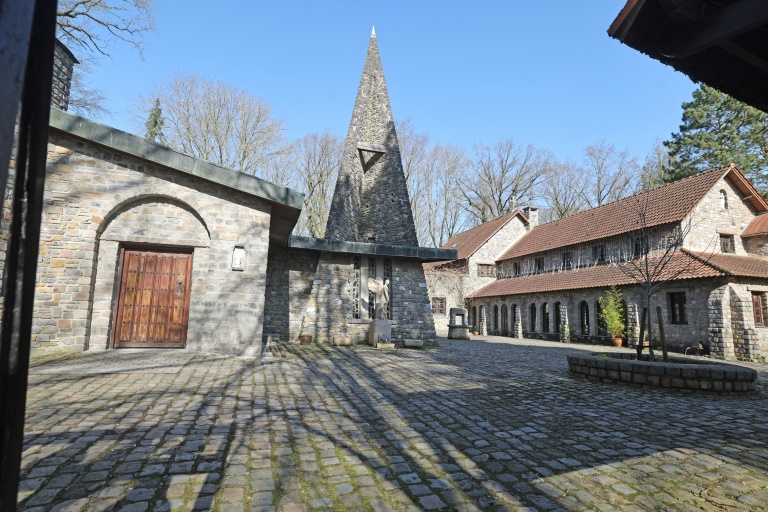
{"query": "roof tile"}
(469, 241)
(664, 205)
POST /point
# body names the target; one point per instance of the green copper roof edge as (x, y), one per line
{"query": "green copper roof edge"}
(124, 142)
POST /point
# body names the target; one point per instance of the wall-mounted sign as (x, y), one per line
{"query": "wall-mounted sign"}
(238, 258)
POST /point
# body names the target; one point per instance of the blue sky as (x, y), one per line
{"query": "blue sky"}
(544, 72)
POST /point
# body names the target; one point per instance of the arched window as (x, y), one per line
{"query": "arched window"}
(504, 320)
(558, 318)
(545, 317)
(495, 317)
(723, 200)
(584, 316)
(532, 326)
(602, 328)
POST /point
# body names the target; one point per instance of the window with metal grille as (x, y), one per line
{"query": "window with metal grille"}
(438, 305)
(727, 244)
(567, 260)
(757, 308)
(677, 308)
(484, 270)
(598, 253)
(356, 288)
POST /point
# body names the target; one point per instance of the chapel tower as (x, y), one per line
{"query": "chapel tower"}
(371, 202)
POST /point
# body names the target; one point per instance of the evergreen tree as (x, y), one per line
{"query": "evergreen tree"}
(718, 130)
(154, 124)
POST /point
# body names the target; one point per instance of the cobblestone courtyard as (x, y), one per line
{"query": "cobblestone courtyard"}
(472, 425)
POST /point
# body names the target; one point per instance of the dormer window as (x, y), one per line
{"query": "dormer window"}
(723, 200)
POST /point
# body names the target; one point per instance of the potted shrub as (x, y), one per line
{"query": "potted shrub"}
(475, 331)
(613, 314)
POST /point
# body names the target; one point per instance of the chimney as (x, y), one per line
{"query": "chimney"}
(532, 212)
(63, 65)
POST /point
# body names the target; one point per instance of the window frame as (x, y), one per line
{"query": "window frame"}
(598, 253)
(567, 260)
(439, 310)
(758, 308)
(484, 268)
(730, 243)
(539, 264)
(677, 316)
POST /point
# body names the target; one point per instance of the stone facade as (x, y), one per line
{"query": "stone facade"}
(455, 282)
(718, 311)
(370, 202)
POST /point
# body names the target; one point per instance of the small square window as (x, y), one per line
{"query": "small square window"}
(727, 244)
(484, 270)
(677, 308)
(438, 305)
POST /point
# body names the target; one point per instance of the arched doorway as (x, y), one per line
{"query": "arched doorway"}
(545, 317)
(602, 327)
(532, 325)
(558, 318)
(504, 320)
(495, 318)
(584, 318)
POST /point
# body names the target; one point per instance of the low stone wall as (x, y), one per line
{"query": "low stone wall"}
(679, 373)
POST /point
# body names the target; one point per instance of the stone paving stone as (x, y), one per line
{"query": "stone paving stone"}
(494, 424)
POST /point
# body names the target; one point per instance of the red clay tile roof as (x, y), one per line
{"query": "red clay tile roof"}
(758, 226)
(735, 265)
(664, 205)
(594, 277)
(471, 240)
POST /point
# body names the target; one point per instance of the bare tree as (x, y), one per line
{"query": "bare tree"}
(656, 162)
(441, 178)
(317, 160)
(653, 258)
(413, 151)
(504, 174)
(611, 174)
(216, 122)
(95, 24)
(563, 191)
(85, 100)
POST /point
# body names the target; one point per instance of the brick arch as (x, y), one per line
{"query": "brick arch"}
(188, 204)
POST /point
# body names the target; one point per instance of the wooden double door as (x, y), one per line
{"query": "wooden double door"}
(152, 309)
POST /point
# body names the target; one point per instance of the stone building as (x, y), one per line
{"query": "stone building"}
(549, 280)
(450, 282)
(321, 285)
(144, 247)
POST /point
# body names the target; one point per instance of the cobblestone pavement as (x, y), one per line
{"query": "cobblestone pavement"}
(471, 425)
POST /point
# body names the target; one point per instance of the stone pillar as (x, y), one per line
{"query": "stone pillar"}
(517, 327)
(482, 327)
(720, 330)
(745, 339)
(565, 328)
(633, 325)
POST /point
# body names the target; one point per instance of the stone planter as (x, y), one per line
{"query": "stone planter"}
(617, 342)
(680, 373)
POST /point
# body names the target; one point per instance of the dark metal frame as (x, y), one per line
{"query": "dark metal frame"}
(21, 257)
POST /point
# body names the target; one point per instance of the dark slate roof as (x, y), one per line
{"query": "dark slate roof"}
(665, 205)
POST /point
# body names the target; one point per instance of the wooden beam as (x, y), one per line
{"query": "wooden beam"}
(746, 56)
(725, 24)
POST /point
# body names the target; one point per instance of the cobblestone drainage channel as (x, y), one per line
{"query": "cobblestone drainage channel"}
(680, 373)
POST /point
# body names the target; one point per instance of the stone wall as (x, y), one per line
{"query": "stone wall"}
(756, 245)
(449, 285)
(678, 336)
(289, 283)
(492, 249)
(709, 218)
(97, 201)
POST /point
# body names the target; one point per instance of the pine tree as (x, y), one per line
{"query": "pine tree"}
(155, 124)
(718, 130)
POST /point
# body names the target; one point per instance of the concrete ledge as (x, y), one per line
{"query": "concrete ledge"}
(680, 373)
(394, 251)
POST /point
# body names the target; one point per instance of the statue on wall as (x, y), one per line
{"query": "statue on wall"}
(380, 288)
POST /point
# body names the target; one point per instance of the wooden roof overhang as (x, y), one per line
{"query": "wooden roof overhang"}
(723, 44)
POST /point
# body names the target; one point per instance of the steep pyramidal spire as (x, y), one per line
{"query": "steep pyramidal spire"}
(370, 202)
